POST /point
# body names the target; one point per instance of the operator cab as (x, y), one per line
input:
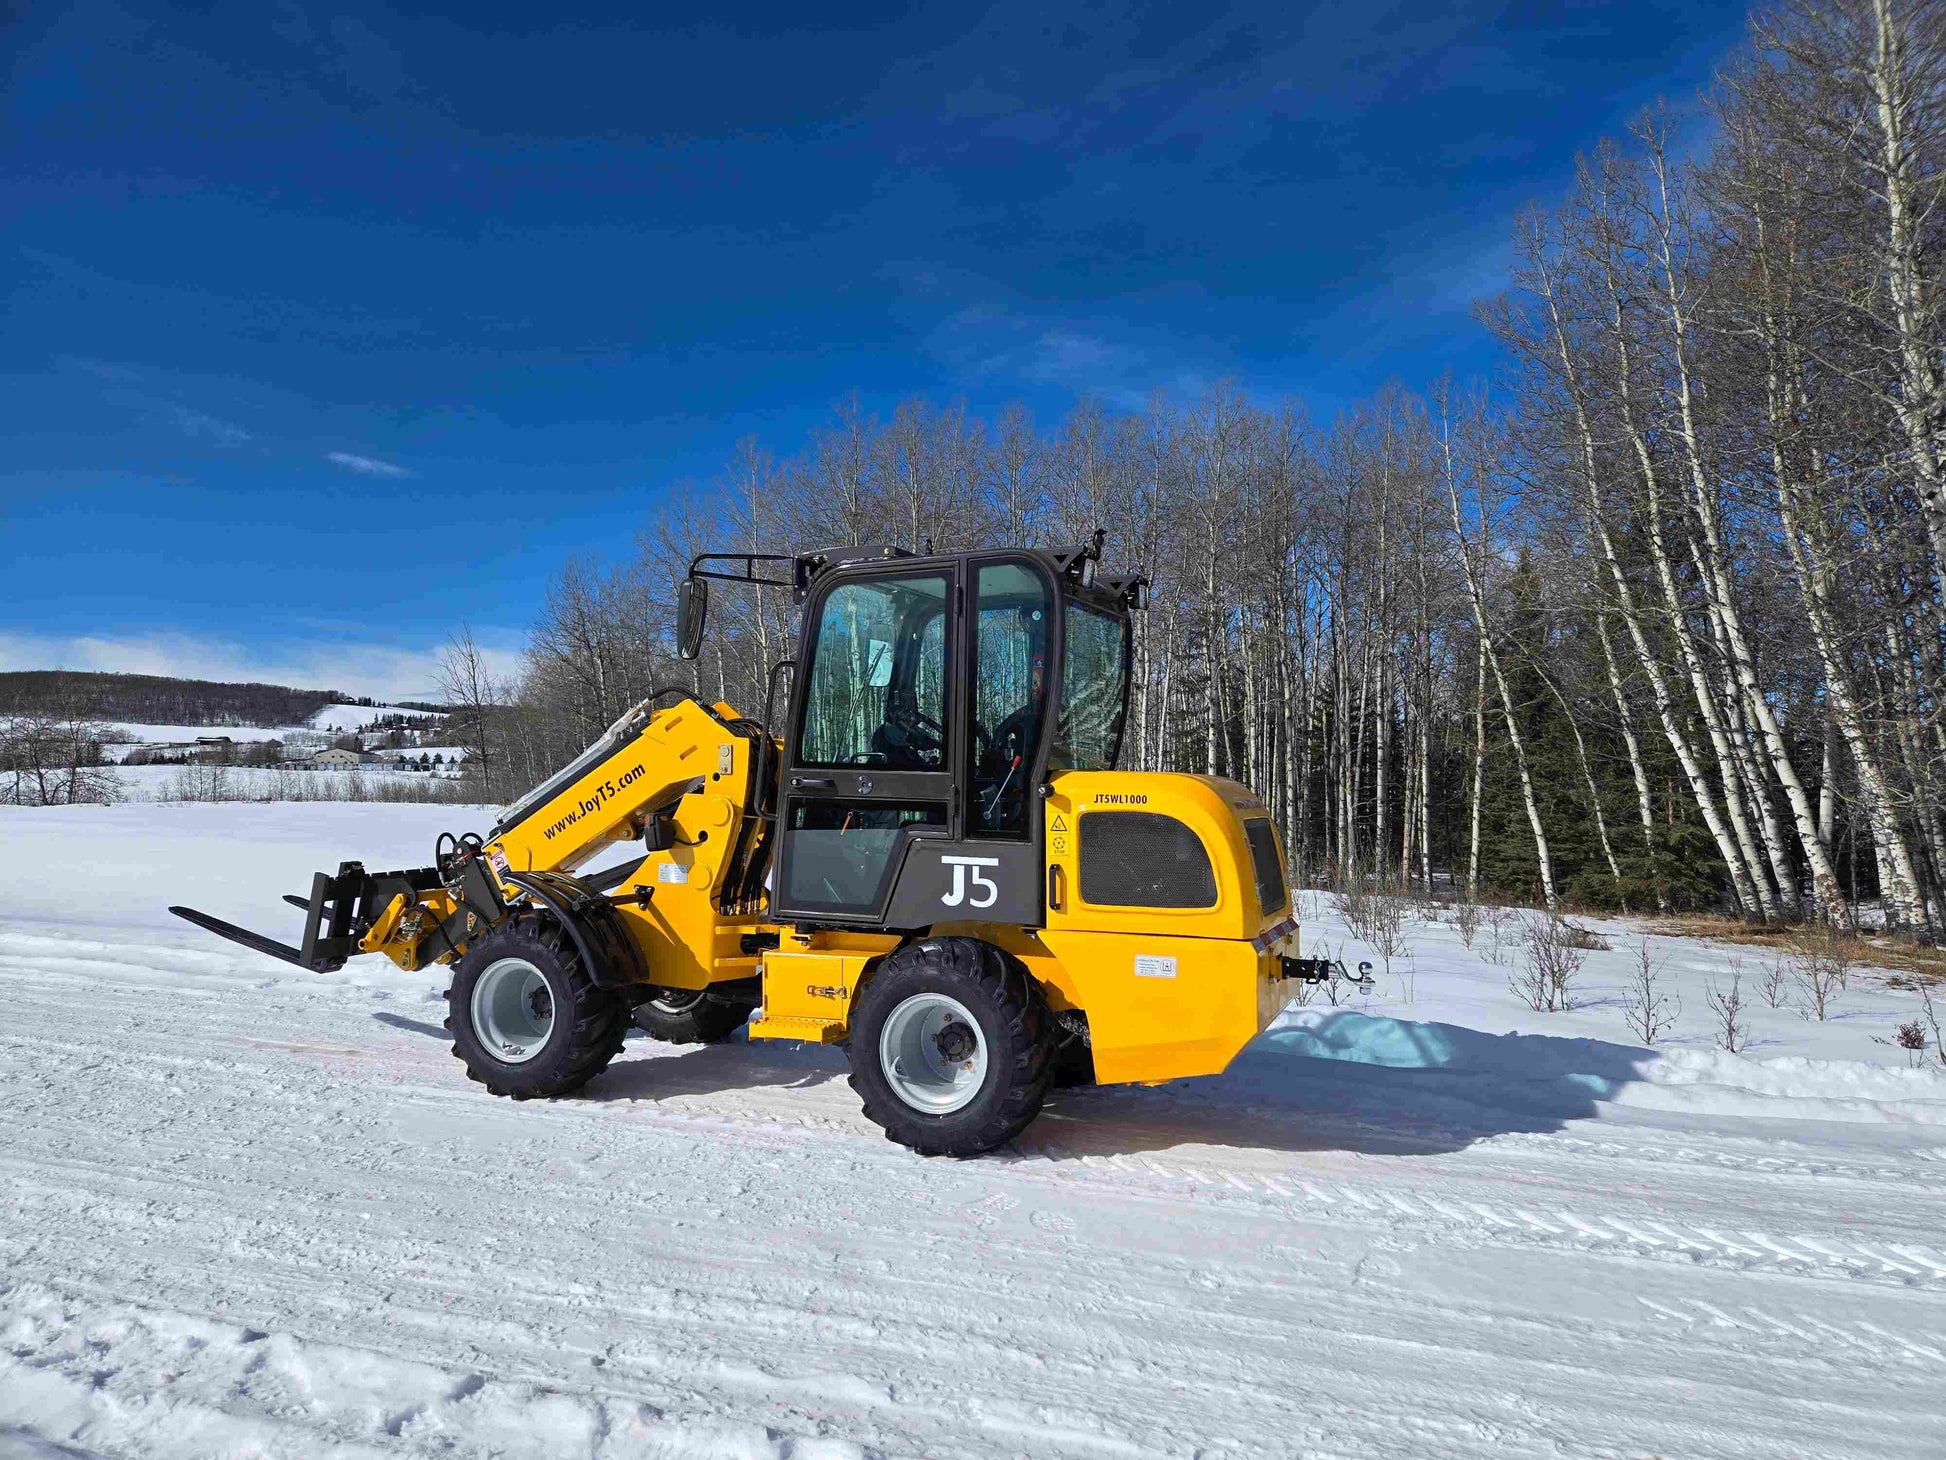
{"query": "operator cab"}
(933, 696)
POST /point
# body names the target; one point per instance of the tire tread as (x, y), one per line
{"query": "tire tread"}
(1015, 990)
(601, 1017)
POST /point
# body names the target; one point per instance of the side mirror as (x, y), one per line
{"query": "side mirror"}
(692, 610)
(1141, 595)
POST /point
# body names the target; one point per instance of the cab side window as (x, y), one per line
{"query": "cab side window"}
(1010, 685)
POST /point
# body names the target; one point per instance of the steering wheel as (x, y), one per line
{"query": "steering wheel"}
(908, 732)
(929, 727)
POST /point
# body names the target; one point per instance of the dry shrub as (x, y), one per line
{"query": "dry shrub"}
(1911, 1037)
(1550, 960)
(1650, 1010)
(1822, 970)
(1586, 939)
(1353, 903)
(1385, 930)
(1500, 924)
(1732, 1027)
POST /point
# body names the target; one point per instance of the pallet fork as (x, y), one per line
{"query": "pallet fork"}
(339, 912)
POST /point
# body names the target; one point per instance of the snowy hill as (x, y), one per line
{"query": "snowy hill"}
(251, 1211)
(343, 719)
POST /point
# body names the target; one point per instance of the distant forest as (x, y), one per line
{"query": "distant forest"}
(146, 699)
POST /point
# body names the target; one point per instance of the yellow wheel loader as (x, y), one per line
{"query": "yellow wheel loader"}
(933, 862)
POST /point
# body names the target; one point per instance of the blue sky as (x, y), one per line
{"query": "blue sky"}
(324, 328)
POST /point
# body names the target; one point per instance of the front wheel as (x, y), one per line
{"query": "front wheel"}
(527, 1019)
(949, 1047)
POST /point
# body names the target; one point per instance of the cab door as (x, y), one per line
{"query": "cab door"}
(991, 870)
(869, 760)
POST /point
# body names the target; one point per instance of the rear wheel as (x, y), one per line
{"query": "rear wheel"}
(526, 1017)
(949, 1047)
(690, 1016)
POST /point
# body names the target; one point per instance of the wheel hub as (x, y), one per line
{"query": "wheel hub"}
(512, 1010)
(932, 1054)
(956, 1042)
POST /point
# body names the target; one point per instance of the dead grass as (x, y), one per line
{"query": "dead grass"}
(1911, 965)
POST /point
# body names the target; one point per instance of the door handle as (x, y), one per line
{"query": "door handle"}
(1054, 889)
(813, 783)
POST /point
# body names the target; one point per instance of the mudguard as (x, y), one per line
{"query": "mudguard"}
(607, 951)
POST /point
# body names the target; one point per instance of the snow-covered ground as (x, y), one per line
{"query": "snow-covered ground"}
(247, 1211)
(1438, 978)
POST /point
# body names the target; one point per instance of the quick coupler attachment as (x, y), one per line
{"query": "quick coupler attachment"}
(1321, 970)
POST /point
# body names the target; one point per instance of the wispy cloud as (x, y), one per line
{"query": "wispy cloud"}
(387, 671)
(369, 466)
(123, 388)
(1071, 357)
(203, 425)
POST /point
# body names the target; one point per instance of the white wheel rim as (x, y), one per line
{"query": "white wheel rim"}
(933, 1054)
(677, 1003)
(513, 1010)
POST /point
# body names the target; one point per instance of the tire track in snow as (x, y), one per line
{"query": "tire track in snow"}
(1504, 1222)
(1656, 1236)
(1860, 1337)
(1918, 1166)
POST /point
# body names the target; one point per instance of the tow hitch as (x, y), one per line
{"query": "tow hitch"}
(1319, 970)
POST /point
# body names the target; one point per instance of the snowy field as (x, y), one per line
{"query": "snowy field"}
(266, 783)
(252, 1212)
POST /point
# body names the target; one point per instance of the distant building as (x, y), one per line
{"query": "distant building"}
(335, 757)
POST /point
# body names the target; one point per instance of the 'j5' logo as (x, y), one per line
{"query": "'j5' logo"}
(981, 882)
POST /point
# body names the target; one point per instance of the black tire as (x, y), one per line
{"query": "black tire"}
(681, 1016)
(1003, 999)
(587, 1022)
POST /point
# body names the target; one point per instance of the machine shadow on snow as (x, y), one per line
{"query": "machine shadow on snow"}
(1352, 1082)
(412, 1026)
(1342, 1081)
(714, 1069)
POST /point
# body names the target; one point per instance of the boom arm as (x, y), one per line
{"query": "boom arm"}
(695, 784)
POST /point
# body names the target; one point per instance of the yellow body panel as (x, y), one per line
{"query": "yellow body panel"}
(1162, 1007)
(817, 984)
(1169, 991)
